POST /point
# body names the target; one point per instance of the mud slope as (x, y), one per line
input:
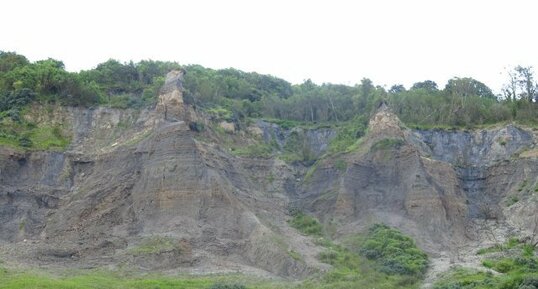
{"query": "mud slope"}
(146, 189)
(138, 180)
(449, 189)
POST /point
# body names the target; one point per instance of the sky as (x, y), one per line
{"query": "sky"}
(337, 41)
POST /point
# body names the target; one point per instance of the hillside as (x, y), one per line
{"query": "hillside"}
(181, 188)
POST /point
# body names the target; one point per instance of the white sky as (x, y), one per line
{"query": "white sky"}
(328, 41)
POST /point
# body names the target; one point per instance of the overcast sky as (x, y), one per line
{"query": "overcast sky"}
(327, 41)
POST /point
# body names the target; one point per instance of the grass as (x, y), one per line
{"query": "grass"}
(515, 264)
(97, 280)
(288, 124)
(348, 135)
(296, 256)
(296, 149)
(512, 200)
(48, 138)
(492, 249)
(258, 150)
(350, 270)
(523, 185)
(509, 244)
(385, 144)
(115, 280)
(155, 245)
(306, 224)
(340, 165)
(30, 136)
(311, 170)
(220, 113)
(454, 127)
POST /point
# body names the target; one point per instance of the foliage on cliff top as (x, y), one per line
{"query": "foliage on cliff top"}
(464, 102)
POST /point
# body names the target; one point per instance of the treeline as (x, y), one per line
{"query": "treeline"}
(237, 95)
(110, 83)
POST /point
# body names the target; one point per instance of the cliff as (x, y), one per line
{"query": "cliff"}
(144, 188)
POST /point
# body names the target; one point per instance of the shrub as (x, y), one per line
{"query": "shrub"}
(306, 224)
(260, 150)
(348, 134)
(340, 165)
(529, 283)
(503, 266)
(156, 245)
(25, 142)
(395, 252)
(196, 126)
(518, 271)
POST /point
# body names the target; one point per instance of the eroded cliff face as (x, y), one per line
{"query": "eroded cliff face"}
(389, 180)
(495, 167)
(133, 177)
(448, 189)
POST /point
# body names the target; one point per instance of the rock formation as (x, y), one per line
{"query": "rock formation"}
(170, 101)
(131, 177)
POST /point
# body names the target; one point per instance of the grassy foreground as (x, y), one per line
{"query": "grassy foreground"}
(363, 277)
(110, 280)
(381, 258)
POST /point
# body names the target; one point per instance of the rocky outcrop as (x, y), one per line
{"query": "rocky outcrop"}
(170, 101)
(136, 175)
(443, 187)
(388, 180)
(315, 140)
(130, 176)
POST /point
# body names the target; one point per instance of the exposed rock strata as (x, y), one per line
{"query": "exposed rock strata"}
(130, 176)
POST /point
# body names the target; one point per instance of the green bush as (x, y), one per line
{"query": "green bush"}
(519, 271)
(306, 224)
(258, 150)
(25, 142)
(529, 283)
(340, 165)
(196, 126)
(503, 266)
(395, 252)
(155, 245)
(495, 248)
(348, 134)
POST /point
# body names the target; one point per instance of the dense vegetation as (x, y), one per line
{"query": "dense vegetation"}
(356, 266)
(395, 252)
(238, 94)
(306, 224)
(384, 257)
(513, 265)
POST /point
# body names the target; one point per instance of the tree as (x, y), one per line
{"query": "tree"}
(397, 88)
(509, 89)
(367, 87)
(428, 85)
(50, 75)
(521, 84)
(526, 82)
(10, 60)
(467, 86)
